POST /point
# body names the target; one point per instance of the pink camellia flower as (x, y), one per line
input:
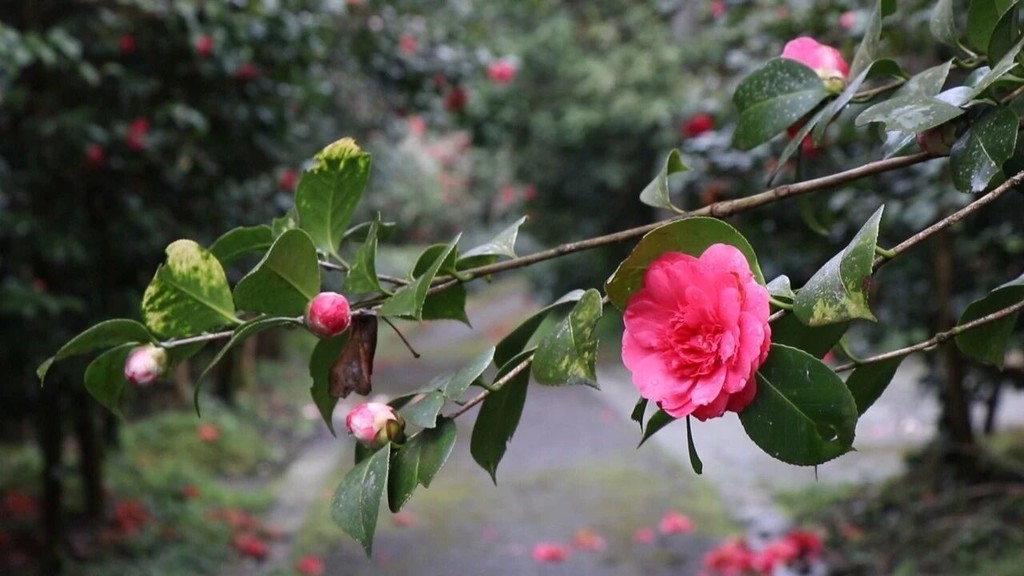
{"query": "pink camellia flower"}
(328, 314)
(456, 99)
(207, 432)
(731, 558)
(375, 424)
(549, 552)
(847, 20)
(717, 8)
(589, 540)
(697, 125)
(675, 523)
(145, 364)
(407, 44)
(696, 332)
(502, 71)
(204, 45)
(135, 135)
(310, 565)
(250, 545)
(643, 536)
(825, 60)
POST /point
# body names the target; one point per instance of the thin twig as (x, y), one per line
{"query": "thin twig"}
(210, 336)
(936, 339)
(497, 385)
(382, 277)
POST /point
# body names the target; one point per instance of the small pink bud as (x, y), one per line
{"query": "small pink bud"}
(825, 60)
(328, 314)
(375, 424)
(145, 364)
(501, 71)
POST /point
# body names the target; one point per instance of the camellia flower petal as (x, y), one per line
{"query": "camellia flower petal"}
(549, 552)
(825, 60)
(675, 523)
(145, 364)
(696, 332)
(375, 424)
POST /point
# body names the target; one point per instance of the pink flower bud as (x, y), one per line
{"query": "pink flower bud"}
(938, 141)
(501, 71)
(145, 364)
(375, 424)
(697, 125)
(826, 61)
(328, 314)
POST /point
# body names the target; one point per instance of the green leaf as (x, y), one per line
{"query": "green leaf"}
(988, 343)
(839, 290)
(815, 340)
(498, 418)
(982, 17)
(103, 335)
(1003, 67)
(977, 157)
(772, 98)
(690, 236)
(423, 412)
(246, 330)
(928, 82)
(329, 192)
(1005, 34)
(568, 354)
(655, 423)
(284, 281)
(883, 67)
(867, 52)
(189, 293)
(356, 503)
(780, 288)
(867, 382)
(289, 221)
(320, 361)
(691, 448)
(802, 414)
(418, 461)
(408, 301)
(104, 377)
(657, 192)
(362, 276)
(943, 23)
(511, 345)
(794, 143)
(447, 304)
(240, 241)
(912, 114)
(638, 412)
(454, 385)
(501, 245)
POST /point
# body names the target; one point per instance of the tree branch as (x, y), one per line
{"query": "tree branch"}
(497, 385)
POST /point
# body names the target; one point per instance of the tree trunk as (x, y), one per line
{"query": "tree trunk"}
(49, 423)
(90, 450)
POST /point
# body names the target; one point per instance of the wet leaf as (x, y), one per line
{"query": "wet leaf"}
(977, 158)
(454, 385)
(568, 354)
(690, 236)
(867, 382)
(883, 67)
(839, 290)
(912, 114)
(418, 461)
(356, 502)
(354, 367)
(362, 276)
(655, 423)
(502, 245)
(328, 193)
(802, 414)
(691, 449)
(284, 281)
(867, 52)
(638, 412)
(104, 377)
(815, 340)
(772, 98)
(1003, 67)
(943, 23)
(516, 341)
(189, 293)
(499, 417)
(982, 17)
(408, 301)
(423, 411)
(323, 357)
(103, 335)
(657, 192)
(988, 343)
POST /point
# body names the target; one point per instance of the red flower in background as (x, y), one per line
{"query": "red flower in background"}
(407, 44)
(207, 432)
(19, 506)
(697, 125)
(717, 8)
(250, 545)
(246, 72)
(135, 135)
(95, 156)
(310, 566)
(126, 43)
(204, 45)
(675, 523)
(731, 558)
(456, 99)
(501, 71)
(549, 552)
(287, 179)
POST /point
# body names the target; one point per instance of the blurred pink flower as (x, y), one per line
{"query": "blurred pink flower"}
(675, 523)
(549, 552)
(95, 155)
(126, 43)
(501, 71)
(825, 60)
(696, 332)
(456, 99)
(310, 565)
(697, 125)
(204, 45)
(587, 539)
(643, 536)
(287, 179)
(250, 545)
(135, 135)
(717, 8)
(407, 44)
(848, 19)
(207, 432)
(731, 558)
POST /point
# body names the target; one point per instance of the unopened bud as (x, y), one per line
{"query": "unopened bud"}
(937, 141)
(145, 364)
(328, 314)
(375, 424)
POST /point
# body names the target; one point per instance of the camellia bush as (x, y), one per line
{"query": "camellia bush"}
(705, 332)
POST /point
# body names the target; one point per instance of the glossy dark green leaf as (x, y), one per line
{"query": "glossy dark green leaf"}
(657, 192)
(1005, 34)
(815, 340)
(289, 221)
(795, 142)
(356, 502)
(691, 449)
(867, 52)
(454, 385)
(103, 335)
(325, 353)
(362, 276)
(977, 158)
(838, 292)
(943, 23)
(189, 293)
(408, 301)
(104, 377)
(418, 461)
(423, 411)
(928, 82)
(498, 418)
(912, 114)
(328, 192)
(655, 423)
(639, 410)
(240, 241)
(982, 17)
(690, 236)
(511, 345)
(447, 304)
(284, 281)
(867, 382)
(987, 343)
(878, 68)
(803, 413)
(772, 98)
(1001, 69)
(781, 288)
(568, 354)
(502, 245)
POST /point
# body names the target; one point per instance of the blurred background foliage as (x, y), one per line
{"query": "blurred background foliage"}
(126, 124)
